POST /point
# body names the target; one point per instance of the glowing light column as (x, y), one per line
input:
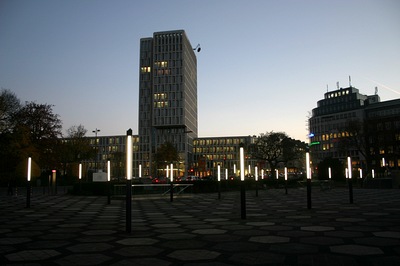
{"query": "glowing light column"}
(129, 180)
(219, 180)
(28, 184)
(171, 190)
(109, 182)
(350, 179)
(308, 171)
(242, 185)
(256, 178)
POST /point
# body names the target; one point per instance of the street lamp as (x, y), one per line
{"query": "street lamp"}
(97, 154)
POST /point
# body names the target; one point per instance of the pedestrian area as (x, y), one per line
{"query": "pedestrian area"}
(200, 229)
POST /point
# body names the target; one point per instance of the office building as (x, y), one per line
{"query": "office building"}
(167, 98)
(349, 124)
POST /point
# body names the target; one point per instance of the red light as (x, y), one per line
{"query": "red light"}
(53, 171)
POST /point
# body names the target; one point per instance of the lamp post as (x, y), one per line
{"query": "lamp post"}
(219, 181)
(97, 154)
(171, 190)
(350, 179)
(129, 181)
(80, 178)
(256, 179)
(108, 182)
(242, 185)
(28, 184)
(308, 180)
(286, 180)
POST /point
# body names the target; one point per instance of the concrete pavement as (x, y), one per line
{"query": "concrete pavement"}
(199, 229)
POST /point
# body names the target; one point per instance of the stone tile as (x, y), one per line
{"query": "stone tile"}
(142, 262)
(90, 247)
(32, 255)
(257, 258)
(388, 234)
(317, 228)
(137, 241)
(210, 231)
(194, 254)
(83, 259)
(357, 250)
(269, 239)
(294, 248)
(139, 251)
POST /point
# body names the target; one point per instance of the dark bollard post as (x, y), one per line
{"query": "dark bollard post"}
(219, 190)
(308, 193)
(28, 194)
(171, 190)
(108, 193)
(129, 205)
(351, 191)
(286, 187)
(257, 188)
(242, 200)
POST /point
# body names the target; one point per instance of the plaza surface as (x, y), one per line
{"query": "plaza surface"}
(200, 229)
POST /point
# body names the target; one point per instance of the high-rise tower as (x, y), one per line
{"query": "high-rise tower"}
(167, 98)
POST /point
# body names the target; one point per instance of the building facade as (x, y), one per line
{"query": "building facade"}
(167, 97)
(383, 137)
(349, 124)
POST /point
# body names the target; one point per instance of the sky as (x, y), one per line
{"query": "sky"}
(263, 65)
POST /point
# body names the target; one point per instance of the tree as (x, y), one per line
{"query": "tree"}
(165, 154)
(75, 147)
(269, 147)
(293, 150)
(353, 137)
(9, 105)
(42, 129)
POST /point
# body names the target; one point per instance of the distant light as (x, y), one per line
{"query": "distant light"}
(308, 165)
(314, 143)
(311, 135)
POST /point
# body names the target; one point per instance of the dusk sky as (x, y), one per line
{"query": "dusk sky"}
(263, 64)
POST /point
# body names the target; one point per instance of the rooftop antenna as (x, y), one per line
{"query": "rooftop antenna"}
(376, 90)
(349, 81)
(197, 48)
(337, 84)
(327, 88)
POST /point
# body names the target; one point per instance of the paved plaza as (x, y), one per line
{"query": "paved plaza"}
(199, 229)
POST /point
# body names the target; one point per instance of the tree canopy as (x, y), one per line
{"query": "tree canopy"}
(277, 147)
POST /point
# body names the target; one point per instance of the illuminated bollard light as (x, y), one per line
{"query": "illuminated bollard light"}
(28, 184)
(129, 181)
(349, 170)
(242, 185)
(308, 171)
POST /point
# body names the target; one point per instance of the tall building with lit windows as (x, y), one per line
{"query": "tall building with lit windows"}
(330, 124)
(167, 98)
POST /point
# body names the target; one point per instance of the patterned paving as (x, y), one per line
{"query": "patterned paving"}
(202, 230)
